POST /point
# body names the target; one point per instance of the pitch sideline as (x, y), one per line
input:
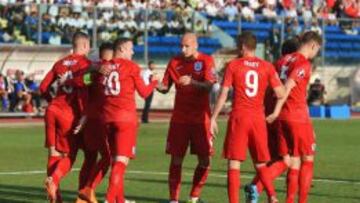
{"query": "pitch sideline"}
(156, 173)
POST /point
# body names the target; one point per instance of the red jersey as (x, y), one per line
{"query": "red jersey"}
(191, 103)
(298, 68)
(250, 77)
(65, 98)
(119, 91)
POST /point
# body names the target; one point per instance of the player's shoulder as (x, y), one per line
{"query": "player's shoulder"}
(205, 57)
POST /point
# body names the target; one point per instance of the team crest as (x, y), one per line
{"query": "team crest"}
(198, 66)
(301, 73)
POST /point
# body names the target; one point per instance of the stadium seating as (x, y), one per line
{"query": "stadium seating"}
(338, 112)
(170, 45)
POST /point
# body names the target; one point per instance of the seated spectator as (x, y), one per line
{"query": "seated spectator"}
(33, 89)
(316, 93)
(231, 11)
(269, 12)
(199, 27)
(22, 92)
(315, 26)
(3, 94)
(247, 13)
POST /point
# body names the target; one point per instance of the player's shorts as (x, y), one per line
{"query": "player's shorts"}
(122, 138)
(273, 139)
(246, 133)
(59, 130)
(197, 135)
(95, 138)
(296, 138)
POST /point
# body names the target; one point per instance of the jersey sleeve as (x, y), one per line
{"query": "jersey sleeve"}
(300, 71)
(45, 84)
(143, 90)
(274, 79)
(167, 79)
(228, 77)
(210, 72)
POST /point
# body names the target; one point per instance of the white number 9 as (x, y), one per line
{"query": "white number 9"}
(112, 84)
(252, 83)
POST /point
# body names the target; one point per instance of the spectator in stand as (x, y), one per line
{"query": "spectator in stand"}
(22, 92)
(231, 10)
(33, 89)
(316, 93)
(200, 28)
(247, 13)
(315, 26)
(3, 94)
(269, 12)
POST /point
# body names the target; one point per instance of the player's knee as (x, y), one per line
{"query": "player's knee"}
(234, 164)
(287, 160)
(176, 160)
(295, 162)
(307, 158)
(204, 162)
(122, 159)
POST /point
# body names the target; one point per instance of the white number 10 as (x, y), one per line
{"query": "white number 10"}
(112, 84)
(252, 83)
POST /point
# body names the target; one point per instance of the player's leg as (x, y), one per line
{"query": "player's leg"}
(177, 143)
(233, 181)
(307, 151)
(122, 137)
(292, 179)
(201, 145)
(115, 191)
(235, 148)
(50, 140)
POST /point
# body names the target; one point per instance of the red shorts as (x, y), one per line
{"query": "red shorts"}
(122, 138)
(296, 139)
(95, 138)
(273, 140)
(196, 134)
(243, 133)
(59, 130)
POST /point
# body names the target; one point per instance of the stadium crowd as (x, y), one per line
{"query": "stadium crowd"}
(19, 92)
(61, 18)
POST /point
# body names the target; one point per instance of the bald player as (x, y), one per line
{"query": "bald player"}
(193, 75)
(62, 114)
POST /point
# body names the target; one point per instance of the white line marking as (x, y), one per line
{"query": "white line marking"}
(214, 175)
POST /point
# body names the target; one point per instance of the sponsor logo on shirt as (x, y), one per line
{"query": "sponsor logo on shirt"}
(179, 67)
(198, 66)
(69, 62)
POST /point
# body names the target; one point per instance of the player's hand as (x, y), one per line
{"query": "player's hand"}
(155, 77)
(105, 69)
(185, 80)
(271, 118)
(79, 127)
(214, 128)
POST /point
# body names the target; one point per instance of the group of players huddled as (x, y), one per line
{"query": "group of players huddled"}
(94, 109)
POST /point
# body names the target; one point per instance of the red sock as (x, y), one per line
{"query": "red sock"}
(86, 168)
(99, 172)
(306, 175)
(199, 180)
(292, 182)
(51, 165)
(233, 185)
(275, 170)
(115, 189)
(266, 179)
(174, 181)
(62, 168)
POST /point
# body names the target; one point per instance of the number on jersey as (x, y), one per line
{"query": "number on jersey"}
(67, 89)
(112, 84)
(252, 83)
(283, 73)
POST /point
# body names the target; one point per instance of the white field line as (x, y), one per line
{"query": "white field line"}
(156, 173)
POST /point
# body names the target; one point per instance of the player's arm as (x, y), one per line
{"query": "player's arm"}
(144, 90)
(45, 85)
(282, 93)
(165, 86)
(217, 109)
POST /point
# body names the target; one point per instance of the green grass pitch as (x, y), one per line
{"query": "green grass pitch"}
(337, 167)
